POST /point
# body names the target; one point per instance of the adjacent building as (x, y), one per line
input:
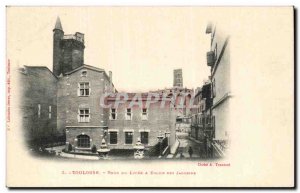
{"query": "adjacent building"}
(218, 60)
(202, 119)
(39, 106)
(140, 118)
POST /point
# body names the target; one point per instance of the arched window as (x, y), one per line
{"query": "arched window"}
(83, 141)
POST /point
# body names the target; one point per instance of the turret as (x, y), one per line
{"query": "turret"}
(58, 35)
(68, 50)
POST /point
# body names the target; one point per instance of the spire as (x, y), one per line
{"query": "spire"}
(58, 24)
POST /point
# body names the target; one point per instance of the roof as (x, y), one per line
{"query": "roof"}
(58, 24)
(88, 67)
(38, 67)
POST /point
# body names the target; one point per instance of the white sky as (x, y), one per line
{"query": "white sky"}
(140, 45)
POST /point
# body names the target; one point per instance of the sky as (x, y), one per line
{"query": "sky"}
(140, 45)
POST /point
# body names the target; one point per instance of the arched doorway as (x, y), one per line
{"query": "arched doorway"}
(83, 141)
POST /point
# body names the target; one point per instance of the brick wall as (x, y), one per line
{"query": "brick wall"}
(69, 103)
(159, 121)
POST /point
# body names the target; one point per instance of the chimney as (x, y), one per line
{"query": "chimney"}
(110, 81)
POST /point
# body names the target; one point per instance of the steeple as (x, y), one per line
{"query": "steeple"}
(58, 25)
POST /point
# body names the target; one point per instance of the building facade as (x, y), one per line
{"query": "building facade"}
(218, 60)
(140, 118)
(202, 119)
(79, 111)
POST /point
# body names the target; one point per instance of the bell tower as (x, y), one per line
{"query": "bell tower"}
(58, 35)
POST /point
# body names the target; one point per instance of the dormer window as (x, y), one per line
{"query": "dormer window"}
(83, 73)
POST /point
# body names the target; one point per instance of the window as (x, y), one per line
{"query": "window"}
(144, 137)
(144, 114)
(50, 112)
(84, 89)
(83, 73)
(113, 114)
(113, 139)
(83, 141)
(128, 114)
(39, 110)
(128, 137)
(84, 115)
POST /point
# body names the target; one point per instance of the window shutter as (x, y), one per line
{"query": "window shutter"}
(78, 117)
(214, 86)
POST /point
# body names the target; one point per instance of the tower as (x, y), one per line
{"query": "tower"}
(178, 81)
(58, 35)
(68, 50)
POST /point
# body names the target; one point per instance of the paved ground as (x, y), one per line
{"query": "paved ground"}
(185, 143)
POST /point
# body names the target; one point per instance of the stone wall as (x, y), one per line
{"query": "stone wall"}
(38, 95)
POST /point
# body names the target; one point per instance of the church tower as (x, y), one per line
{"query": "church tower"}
(178, 80)
(58, 35)
(68, 50)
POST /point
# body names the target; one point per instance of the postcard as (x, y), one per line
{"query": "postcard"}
(150, 97)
